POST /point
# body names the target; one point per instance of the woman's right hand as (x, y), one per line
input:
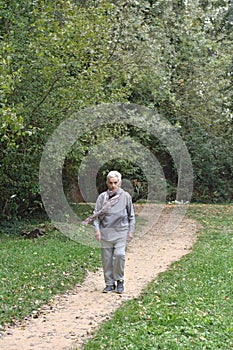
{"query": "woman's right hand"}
(97, 235)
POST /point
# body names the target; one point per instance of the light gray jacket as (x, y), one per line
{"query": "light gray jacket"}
(120, 218)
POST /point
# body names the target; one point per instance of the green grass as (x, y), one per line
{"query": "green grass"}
(188, 307)
(33, 270)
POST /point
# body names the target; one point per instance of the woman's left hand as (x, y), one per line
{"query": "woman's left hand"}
(130, 236)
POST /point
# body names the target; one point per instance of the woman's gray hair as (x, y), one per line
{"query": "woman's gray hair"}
(114, 173)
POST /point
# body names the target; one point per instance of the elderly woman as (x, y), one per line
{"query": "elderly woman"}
(114, 222)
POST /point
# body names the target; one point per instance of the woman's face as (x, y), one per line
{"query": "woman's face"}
(113, 183)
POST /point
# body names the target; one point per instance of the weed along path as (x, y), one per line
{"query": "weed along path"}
(67, 321)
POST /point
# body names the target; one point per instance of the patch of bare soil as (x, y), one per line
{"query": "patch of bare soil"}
(67, 321)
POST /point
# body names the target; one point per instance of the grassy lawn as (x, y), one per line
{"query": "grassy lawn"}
(33, 270)
(188, 307)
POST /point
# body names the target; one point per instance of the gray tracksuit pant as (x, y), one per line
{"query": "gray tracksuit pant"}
(113, 260)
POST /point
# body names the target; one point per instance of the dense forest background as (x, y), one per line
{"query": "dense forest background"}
(62, 56)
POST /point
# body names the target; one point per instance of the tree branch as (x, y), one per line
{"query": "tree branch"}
(46, 95)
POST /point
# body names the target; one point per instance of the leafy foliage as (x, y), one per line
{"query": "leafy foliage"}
(62, 56)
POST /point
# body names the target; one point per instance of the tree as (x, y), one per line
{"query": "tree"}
(63, 56)
(56, 59)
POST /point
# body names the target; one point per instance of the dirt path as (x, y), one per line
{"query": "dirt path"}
(71, 318)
